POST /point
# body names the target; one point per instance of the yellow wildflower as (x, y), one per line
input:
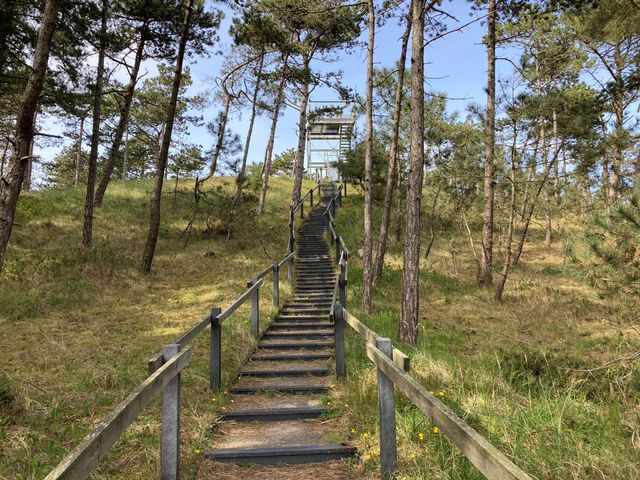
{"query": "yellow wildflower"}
(436, 430)
(346, 405)
(413, 455)
(365, 435)
(353, 430)
(367, 457)
(197, 451)
(441, 393)
(421, 436)
(376, 452)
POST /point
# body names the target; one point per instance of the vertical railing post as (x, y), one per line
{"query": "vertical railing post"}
(292, 238)
(290, 270)
(215, 352)
(255, 308)
(302, 209)
(170, 440)
(333, 207)
(338, 319)
(387, 413)
(338, 241)
(276, 284)
(311, 195)
(345, 189)
(342, 289)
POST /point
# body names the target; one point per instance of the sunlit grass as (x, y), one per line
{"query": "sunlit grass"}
(79, 324)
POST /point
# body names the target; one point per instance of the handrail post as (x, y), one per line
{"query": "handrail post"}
(170, 441)
(338, 320)
(345, 188)
(290, 270)
(255, 308)
(311, 195)
(333, 207)
(292, 238)
(276, 284)
(342, 289)
(387, 414)
(338, 240)
(302, 209)
(215, 351)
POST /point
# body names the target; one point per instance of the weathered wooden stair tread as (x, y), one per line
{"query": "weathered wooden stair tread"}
(301, 355)
(297, 345)
(290, 455)
(275, 414)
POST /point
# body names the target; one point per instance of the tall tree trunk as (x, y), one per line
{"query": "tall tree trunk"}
(485, 267)
(410, 306)
(215, 156)
(247, 143)
(368, 164)
(393, 158)
(12, 181)
(125, 157)
(26, 182)
(618, 147)
(161, 164)
(268, 154)
(112, 157)
(531, 171)
(76, 179)
(512, 214)
(556, 168)
(547, 196)
(87, 230)
(298, 167)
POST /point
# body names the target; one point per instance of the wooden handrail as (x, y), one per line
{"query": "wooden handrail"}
(370, 337)
(491, 462)
(79, 463)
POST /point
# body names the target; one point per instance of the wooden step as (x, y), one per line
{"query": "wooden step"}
(293, 455)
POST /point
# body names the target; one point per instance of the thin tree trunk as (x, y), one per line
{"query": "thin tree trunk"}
(512, 213)
(268, 154)
(529, 214)
(368, 164)
(76, 180)
(410, 306)
(26, 183)
(87, 230)
(125, 158)
(245, 155)
(161, 164)
(221, 130)
(393, 158)
(485, 270)
(12, 181)
(547, 196)
(531, 170)
(617, 147)
(112, 157)
(556, 167)
(298, 167)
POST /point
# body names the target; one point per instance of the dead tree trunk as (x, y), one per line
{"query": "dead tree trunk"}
(87, 229)
(12, 180)
(268, 154)
(112, 157)
(215, 156)
(393, 158)
(485, 270)
(368, 164)
(161, 164)
(254, 108)
(410, 306)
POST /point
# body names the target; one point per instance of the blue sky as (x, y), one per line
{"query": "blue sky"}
(455, 65)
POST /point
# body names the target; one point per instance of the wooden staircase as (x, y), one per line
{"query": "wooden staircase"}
(276, 414)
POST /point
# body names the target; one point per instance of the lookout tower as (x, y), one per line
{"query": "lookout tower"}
(329, 133)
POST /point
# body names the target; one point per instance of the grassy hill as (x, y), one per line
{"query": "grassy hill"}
(538, 375)
(543, 376)
(78, 324)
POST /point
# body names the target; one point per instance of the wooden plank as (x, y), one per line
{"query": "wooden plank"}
(155, 362)
(286, 259)
(491, 462)
(399, 357)
(265, 272)
(79, 463)
(226, 313)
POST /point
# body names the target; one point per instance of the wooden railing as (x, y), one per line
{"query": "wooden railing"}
(164, 376)
(393, 372)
